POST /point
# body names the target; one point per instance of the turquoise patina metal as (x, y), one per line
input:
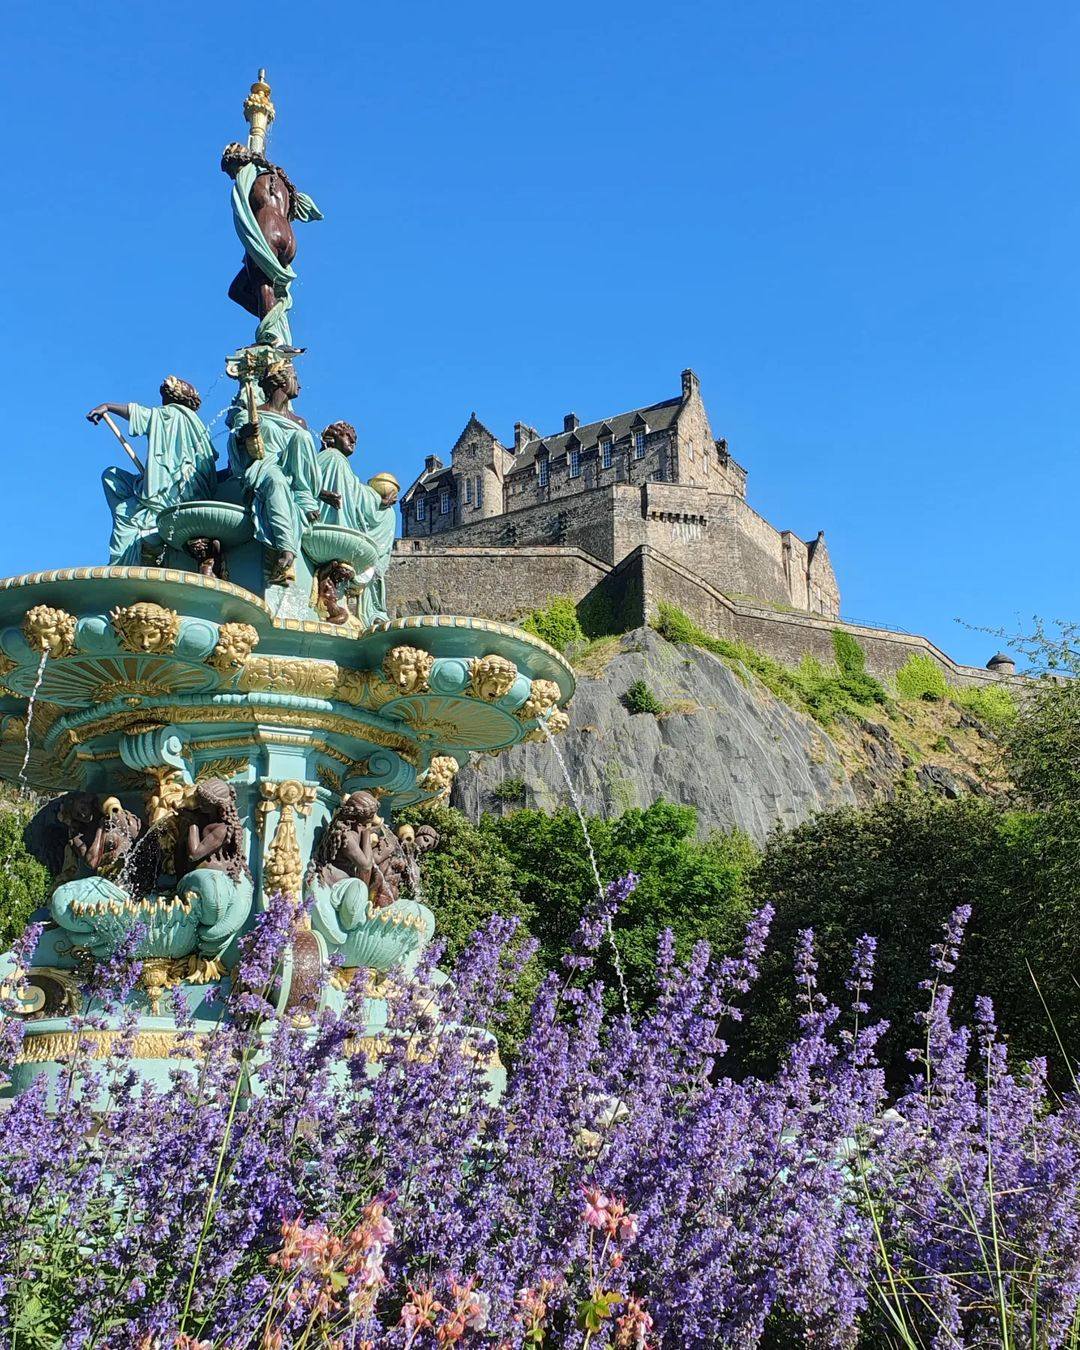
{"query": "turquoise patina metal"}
(206, 718)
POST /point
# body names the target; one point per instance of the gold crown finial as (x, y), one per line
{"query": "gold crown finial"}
(259, 113)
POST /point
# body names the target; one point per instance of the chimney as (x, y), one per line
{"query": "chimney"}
(432, 464)
(570, 422)
(690, 384)
(521, 436)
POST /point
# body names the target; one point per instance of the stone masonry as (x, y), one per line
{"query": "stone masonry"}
(621, 515)
(654, 476)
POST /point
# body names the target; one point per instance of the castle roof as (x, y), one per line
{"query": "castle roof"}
(657, 416)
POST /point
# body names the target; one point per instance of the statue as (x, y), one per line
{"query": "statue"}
(99, 854)
(264, 205)
(273, 452)
(367, 507)
(180, 466)
(353, 883)
(215, 879)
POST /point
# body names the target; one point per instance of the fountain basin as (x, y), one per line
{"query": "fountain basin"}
(336, 543)
(225, 521)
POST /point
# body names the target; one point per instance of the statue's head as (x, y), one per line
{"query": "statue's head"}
(78, 809)
(359, 808)
(281, 375)
(387, 486)
(340, 436)
(234, 157)
(214, 796)
(427, 836)
(176, 390)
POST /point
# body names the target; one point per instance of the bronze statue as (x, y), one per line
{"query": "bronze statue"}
(265, 203)
(348, 845)
(215, 837)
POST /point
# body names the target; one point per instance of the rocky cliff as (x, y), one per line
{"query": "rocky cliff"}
(724, 745)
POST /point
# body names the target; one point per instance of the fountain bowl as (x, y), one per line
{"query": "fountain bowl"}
(226, 521)
(325, 543)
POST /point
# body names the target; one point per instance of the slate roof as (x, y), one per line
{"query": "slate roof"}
(431, 482)
(659, 417)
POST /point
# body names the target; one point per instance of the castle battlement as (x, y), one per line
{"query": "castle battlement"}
(654, 476)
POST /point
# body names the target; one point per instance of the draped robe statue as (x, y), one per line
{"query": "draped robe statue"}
(363, 506)
(180, 467)
(264, 205)
(283, 485)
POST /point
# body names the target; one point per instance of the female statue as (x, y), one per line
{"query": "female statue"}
(217, 880)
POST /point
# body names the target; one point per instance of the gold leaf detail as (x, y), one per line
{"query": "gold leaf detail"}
(145, 627)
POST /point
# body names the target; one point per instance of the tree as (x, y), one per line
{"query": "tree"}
(23, 880)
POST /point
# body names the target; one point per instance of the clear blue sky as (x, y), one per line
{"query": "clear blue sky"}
(859, 223)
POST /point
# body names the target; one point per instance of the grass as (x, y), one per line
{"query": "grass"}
(822, 692)
(921, 679)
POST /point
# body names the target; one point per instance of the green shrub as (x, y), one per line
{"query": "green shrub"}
(921, 677)
(809, 688)
(23, 880)
(990, 703)
(556, 624)
(509, 790)
(639, 698)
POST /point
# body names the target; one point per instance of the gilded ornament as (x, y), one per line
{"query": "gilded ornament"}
(283, 866)
(7, 665)
(235, 643)
(290, 675)
(557, 721)
(492, 677)
(50, 631)
(226, 768)
(329, 778)
(54, 1045)
(543, 695)
(408, 669)
(145, 627)
(439, 775)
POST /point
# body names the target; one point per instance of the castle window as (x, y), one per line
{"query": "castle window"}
(479, 490)
(605, 453)
(444, 502)
(639, 443)
(542, 470)
(468, 491)
(575, 463)
(421, 508)
(690, 451)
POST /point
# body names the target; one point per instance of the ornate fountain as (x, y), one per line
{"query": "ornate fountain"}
(226, 711)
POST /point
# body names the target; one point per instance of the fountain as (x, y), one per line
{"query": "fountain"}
(225, 710)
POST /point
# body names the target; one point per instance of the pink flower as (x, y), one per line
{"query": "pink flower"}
(595, 1212)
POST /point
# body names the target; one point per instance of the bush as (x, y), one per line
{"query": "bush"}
(697, 889)
(556, 624)
(639, 698)
(895, 871)
(990, 703)
(24, 883)
(921, 677)
(509, 790)
(809, 688)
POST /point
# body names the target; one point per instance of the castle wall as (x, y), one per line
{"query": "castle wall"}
(490, 583)
(507, 582)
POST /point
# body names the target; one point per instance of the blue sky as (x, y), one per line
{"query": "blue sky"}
(859, 223)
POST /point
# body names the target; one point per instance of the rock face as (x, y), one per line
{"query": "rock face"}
(726, 747)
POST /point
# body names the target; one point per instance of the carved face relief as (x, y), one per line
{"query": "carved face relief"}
(234, 645)
(50, 630)
(408, 668)
(492, 677)
(146, 627)
(543, 694)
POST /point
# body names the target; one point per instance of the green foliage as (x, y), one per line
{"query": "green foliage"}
(896, 871)
(556, 624)
(809, 688)
(993, 704)
(639, 698)
(23, 880)
(509, 790)
(695, 888)
(467, 879)
(921, 677)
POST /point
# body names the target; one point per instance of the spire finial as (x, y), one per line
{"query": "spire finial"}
(259, 113)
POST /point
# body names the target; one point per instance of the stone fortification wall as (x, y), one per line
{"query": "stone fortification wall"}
(508, 582)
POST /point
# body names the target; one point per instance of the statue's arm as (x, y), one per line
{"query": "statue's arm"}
(116, 409)
(209, 841)
(96, 851)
